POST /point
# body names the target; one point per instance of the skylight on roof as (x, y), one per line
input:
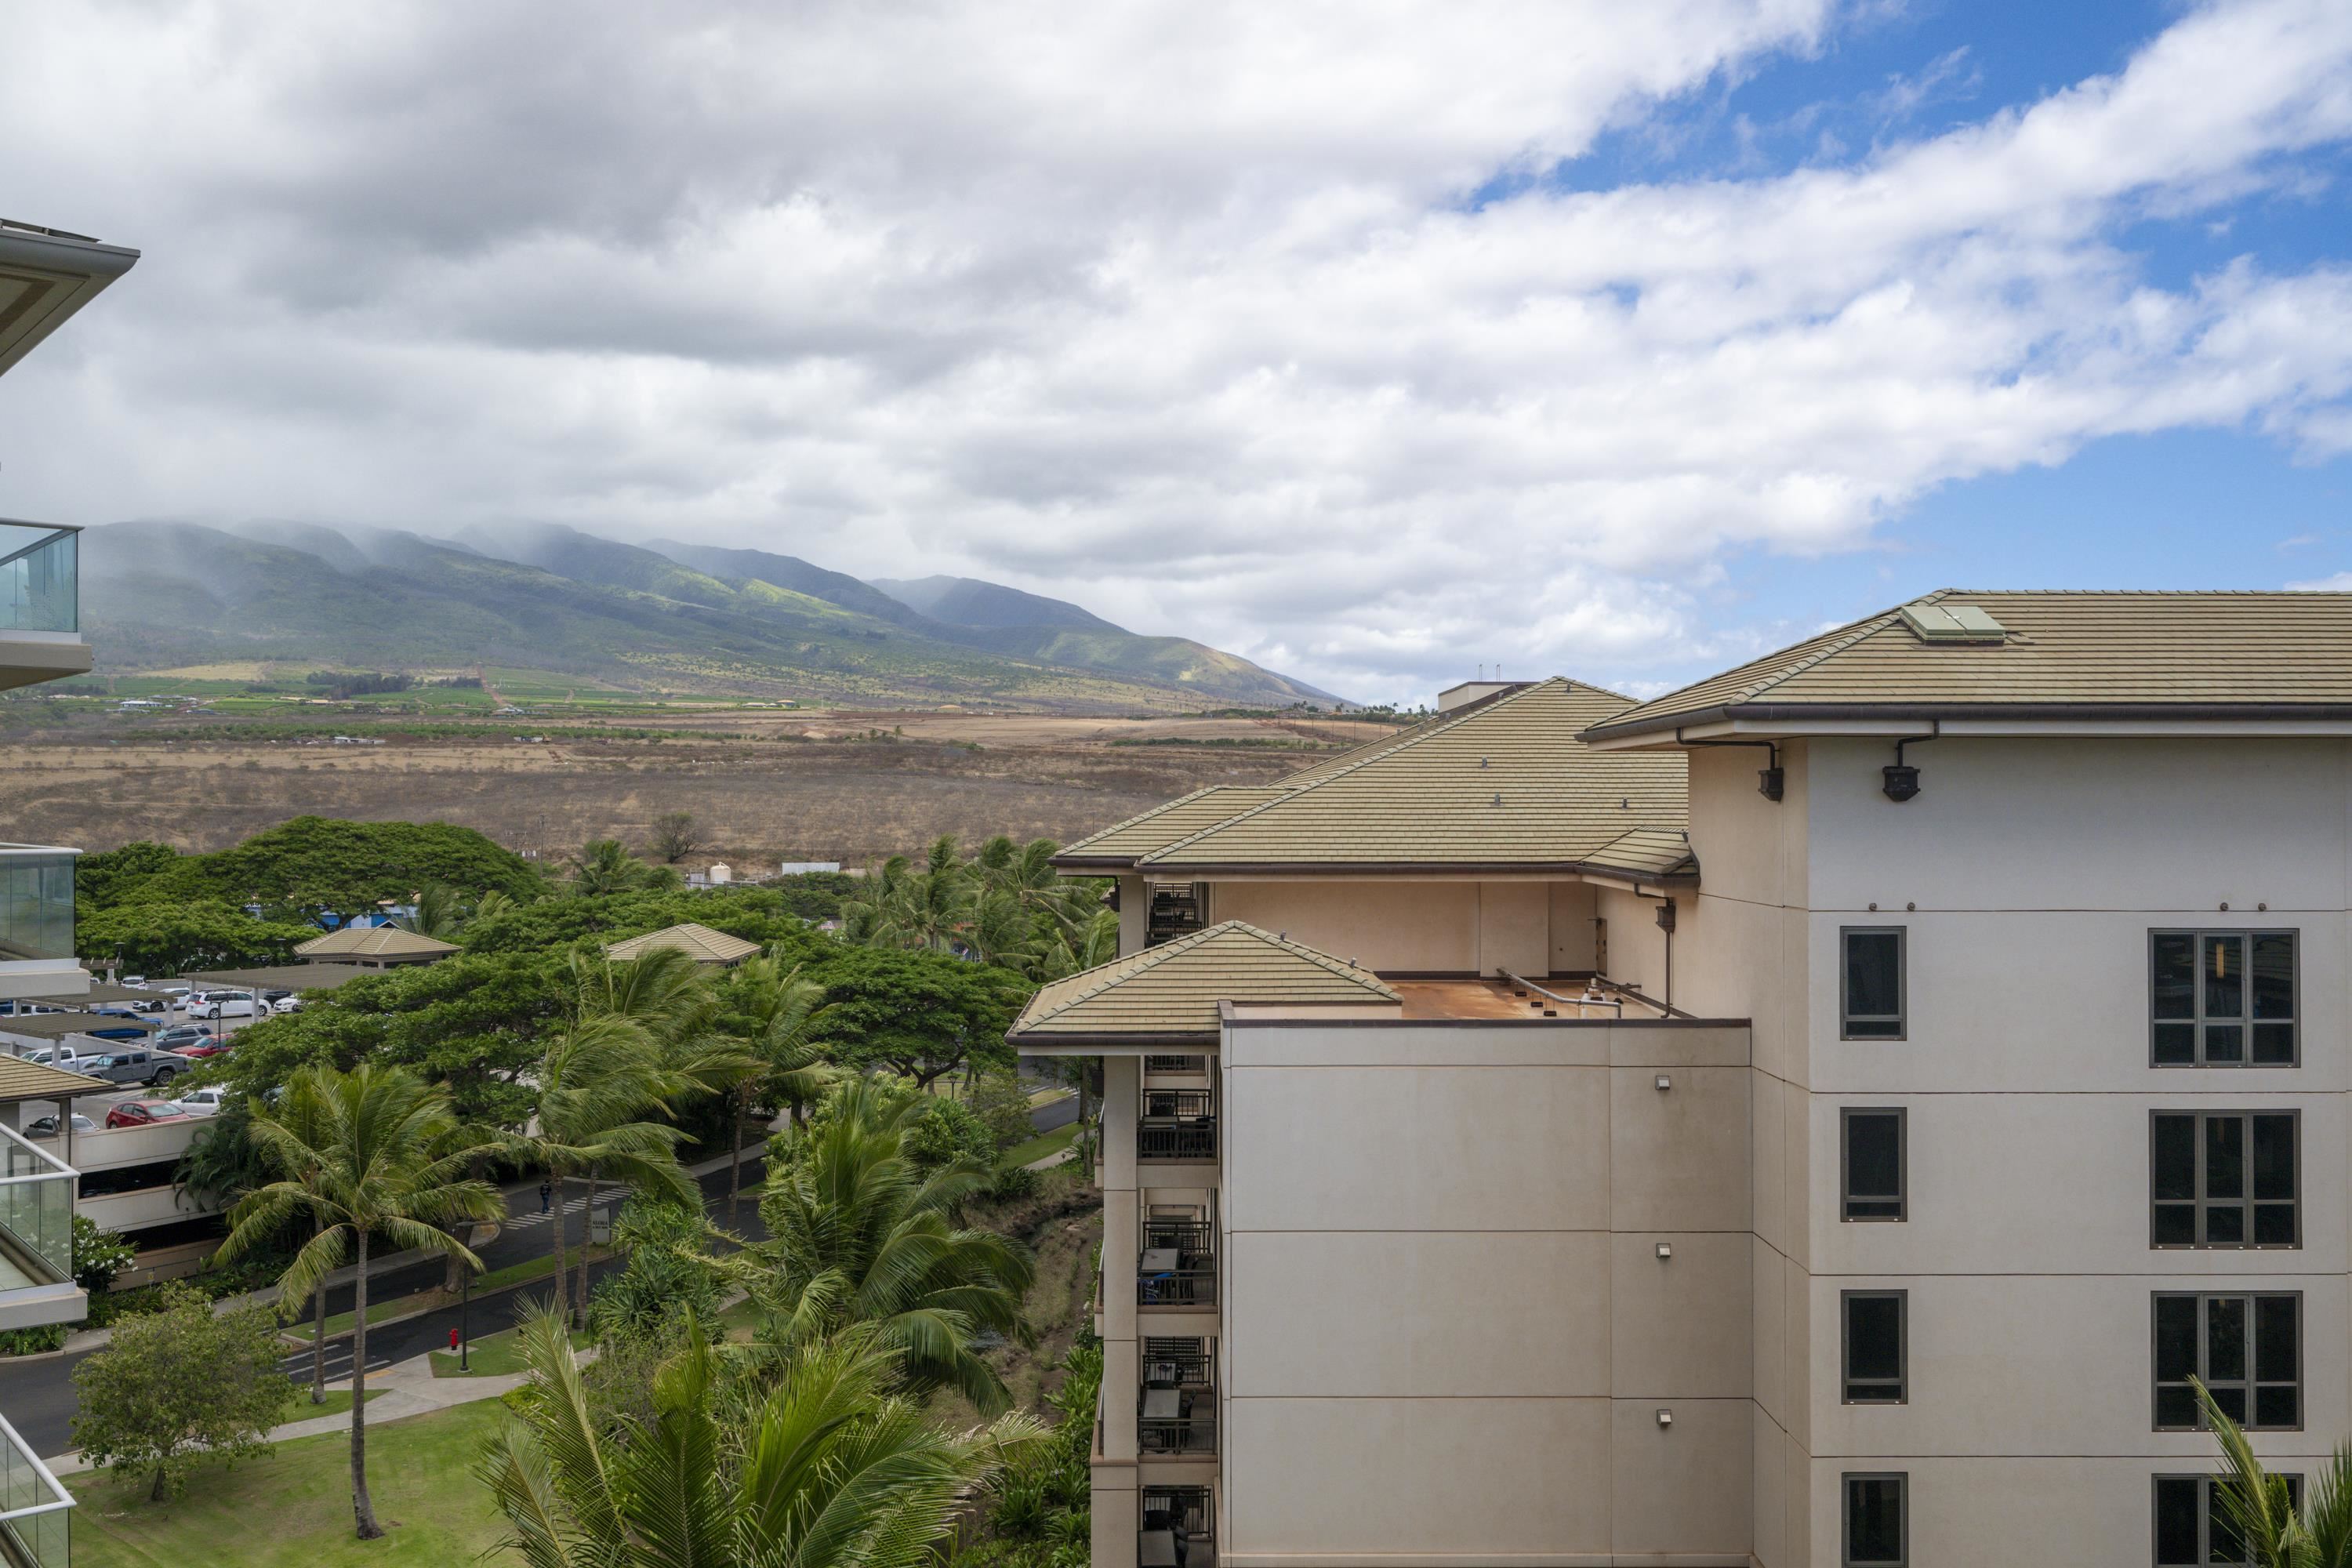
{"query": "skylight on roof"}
(1952, 624)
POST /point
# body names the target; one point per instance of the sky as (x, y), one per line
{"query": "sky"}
(1384, 343)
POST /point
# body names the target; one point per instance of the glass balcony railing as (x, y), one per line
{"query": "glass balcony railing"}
(36, 902)
(33, 1508)
(40, 578)
(36, 1209)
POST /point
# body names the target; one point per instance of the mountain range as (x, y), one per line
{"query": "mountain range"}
(665, 615)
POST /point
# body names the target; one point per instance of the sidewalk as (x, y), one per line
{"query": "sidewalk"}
(408, 1389)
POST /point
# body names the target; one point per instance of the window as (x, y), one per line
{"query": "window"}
(1872, 1159)
(2222, 998)
(1874, 1347)
(2248, 1350)
(2223, 1179)
(2192, 1528)
(1871, 983)
(1876, 1528)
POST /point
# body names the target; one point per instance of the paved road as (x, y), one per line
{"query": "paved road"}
(38, 1396)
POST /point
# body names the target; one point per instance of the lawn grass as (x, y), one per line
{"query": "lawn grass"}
(494, 1355)
(1037, 1148)
(293, 1509)
(339, 1403)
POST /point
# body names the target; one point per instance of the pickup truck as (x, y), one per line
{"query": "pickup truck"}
(151, 1067)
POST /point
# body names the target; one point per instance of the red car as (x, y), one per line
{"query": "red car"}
(143, 1113)
(202, 1049)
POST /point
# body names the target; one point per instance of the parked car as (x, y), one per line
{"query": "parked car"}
(181, 1036)
(118, 1011)
(203, 1101)
(148, 1005)
(59, 1057)
(117, 1032)
(46, 1126)
(203, 1049)
(227, 1004)
(142, 1112)
(286, 1005)
(134, 981)
(177, 995)
(154, 1069)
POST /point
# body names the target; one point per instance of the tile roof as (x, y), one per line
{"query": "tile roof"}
(372, 942)
(21, 1080)
(1504, 784)
(2212, 655)
(1163, 825)
(706, 945)
(286, 976)
(1174, 989)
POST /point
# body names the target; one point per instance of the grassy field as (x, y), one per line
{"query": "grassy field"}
(1037, 1148)
(845, 786)
(293, 1509)
(339, 1403)
(492, 1355)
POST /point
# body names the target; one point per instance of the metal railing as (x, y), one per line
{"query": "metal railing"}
(1176, 1138)
(37, 1205)
(1194, 1432)
(40, 578)
(1186, 1235)
(1175, 1064)
(1188, 1102)
(33, 1508)
(1177, 1363)
(1188, 1285)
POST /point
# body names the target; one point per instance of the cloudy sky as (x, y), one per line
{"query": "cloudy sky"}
(1376, 341)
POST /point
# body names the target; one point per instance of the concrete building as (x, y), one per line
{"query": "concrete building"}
(1819, 1117)
(45, 276)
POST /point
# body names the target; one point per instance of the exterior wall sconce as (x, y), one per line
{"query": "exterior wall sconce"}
(1771, 782)
(1666, 917)
(1903, 778)
(1665, 1082)
(1666, 1417)
(1665, 1250)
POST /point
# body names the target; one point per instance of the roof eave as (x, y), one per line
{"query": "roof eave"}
(1577, 868)
(1669, 729)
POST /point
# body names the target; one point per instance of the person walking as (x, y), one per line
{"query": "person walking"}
(546, 1196)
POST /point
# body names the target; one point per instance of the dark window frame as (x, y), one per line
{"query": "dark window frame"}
(1847, 1197)
(1901, 1382)
(2249, 1385)
(1902, 1479)
(2245, 1201)
(1901, 1017)
(2207, 1484)
(2200, 1023)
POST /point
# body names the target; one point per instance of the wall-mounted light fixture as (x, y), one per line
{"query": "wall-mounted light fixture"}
(1666, 1249)
(1666, 1417)
(1665, 1082)
(1902, 778)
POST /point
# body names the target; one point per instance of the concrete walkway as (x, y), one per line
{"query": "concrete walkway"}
(408, 1389)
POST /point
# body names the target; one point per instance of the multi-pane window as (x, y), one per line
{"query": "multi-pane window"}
(1872, 1158)
(1873, 1331)
(2192, 1526)
(2246, 1349)
(2223, 1179)
(1870, 983)
(2222, 998)
(1876, 1532)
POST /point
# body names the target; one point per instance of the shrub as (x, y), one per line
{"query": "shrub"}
(946, 1131)
(36, 1341)
(1002, 1106)
(98, 1255)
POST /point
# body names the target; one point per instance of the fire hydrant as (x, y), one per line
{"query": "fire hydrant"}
(453, 1339)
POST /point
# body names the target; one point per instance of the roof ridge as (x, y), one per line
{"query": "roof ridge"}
(1341, 967)
(1859, 630)
(1143, 816)
(1482, 709)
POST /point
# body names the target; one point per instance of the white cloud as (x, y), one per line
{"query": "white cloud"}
(1179, 310)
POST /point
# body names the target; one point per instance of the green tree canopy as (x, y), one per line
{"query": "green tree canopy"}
(314, 866)
(180, 1386)
(917, 1013)
(167, 937)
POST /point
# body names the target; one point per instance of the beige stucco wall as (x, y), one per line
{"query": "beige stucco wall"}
(1448, 1333)
(1531, 928)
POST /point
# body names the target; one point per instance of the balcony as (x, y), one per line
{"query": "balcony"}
(37, 1210)
(1179, 1529)
(1177, 1267)
(1177, 1124)
(40, 604)
(33, 1508)
(1176, 1414)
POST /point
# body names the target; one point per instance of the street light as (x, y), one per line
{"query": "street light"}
(466, 1311)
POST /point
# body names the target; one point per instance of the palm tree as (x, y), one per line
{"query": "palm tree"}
(784, 1010)
(221, 1164)
(2259, 1508)
(605, 866)
(859, 1237)
(599, 1083)
(371, 1152)
(440, 912)
(825, 1470)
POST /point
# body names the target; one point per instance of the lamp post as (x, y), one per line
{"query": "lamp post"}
(466, 1311)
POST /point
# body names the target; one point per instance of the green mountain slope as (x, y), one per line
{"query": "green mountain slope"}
(162, 595)
(988, 606)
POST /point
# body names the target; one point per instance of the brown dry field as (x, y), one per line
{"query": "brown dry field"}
(825, 794)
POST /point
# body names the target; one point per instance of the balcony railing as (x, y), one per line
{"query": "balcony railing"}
(40, 578)
(1177, 1267)
(1176, 1064)
(1177, 1124)
(1179, 1529)
(36, 1209)
(1191, 1428)
(33, 1508)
